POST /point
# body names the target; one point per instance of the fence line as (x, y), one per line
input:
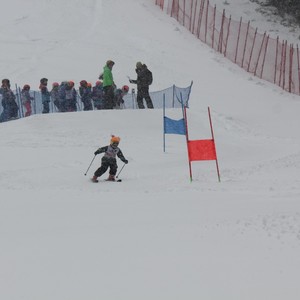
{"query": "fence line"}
(270, 59)
(175, 97)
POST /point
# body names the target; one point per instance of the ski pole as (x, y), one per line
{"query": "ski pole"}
(120, 170)
(89, 166)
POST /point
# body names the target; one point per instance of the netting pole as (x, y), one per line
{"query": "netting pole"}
(284, 64)
(250, 58)
(291, 66)
(259, 53)
(276, 58)
(245, 45)
(191, 10)
(227, 37)
(298, 67)
(221, 32)
(207, 5)
(264, 59)
(194, 17)
(281, 62)
(214, 28)
(183, 13)
(200, 18)
(238, 41)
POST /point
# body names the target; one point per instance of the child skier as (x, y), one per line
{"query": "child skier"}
(26, 99)
(109, 159)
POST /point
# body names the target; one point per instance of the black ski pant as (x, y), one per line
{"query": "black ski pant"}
(143, 93)
(105, 164)
(108, 97)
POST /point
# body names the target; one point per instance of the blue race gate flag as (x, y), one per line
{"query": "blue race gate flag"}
(174, 126)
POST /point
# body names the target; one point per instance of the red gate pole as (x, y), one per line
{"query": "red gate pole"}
(187, 141)
(213, 138)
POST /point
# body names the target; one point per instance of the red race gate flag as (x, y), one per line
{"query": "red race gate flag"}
(202, 150)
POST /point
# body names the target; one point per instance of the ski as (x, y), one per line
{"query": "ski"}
(118, 180)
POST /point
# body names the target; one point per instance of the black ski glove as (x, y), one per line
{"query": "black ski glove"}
(97, 152)
(125, 161)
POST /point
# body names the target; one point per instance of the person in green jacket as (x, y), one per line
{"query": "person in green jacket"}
(108, 85)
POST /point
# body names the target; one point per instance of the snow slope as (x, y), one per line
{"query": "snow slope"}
(156, 235)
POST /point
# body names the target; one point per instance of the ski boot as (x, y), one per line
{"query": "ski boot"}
(94, 179)
(111, 178)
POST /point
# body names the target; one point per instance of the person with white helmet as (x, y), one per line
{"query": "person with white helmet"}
(109, 159)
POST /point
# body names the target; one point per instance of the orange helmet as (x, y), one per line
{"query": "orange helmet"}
(55, 84)
(114, 140)
(71, 83)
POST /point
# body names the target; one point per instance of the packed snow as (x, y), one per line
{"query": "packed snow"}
(155, 235)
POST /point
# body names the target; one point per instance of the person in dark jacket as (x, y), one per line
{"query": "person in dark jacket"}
(70, 96)
(109, 159)
(97, 95)
(144, 79)
(45, 95)
(10, 107)
(85, 93)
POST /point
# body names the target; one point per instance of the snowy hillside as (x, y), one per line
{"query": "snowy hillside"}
(155, 235)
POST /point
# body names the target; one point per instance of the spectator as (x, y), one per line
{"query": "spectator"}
(108, 85)
(70, 96)
(62, 96)
(10, 107)
(97, 95)
(26, 99)
(55, 95)
(86, 95)
(144, 79)
(45, 95)
(119, 94)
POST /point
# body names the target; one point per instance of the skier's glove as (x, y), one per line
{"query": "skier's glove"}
(97, 152)
(125, 161)
(131, 81)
